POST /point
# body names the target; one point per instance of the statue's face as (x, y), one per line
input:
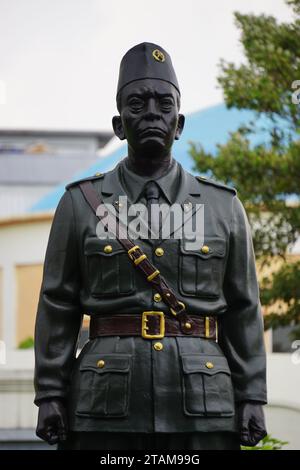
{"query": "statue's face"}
(149, 115)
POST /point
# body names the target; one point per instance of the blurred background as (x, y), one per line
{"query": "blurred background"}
(238, 66)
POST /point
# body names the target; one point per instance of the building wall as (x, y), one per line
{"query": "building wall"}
(283, 411)
(18, 198)
(28, 282)
(69, 143)
(1, 303)
(22, 251)
(283, 423)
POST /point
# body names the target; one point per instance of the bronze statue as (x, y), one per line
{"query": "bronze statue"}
(151, 376)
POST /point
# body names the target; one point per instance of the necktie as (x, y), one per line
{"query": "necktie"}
(152, 198)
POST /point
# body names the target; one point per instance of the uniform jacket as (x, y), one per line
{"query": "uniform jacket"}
(141, 389)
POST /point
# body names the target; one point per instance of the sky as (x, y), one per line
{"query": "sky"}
(59, 59)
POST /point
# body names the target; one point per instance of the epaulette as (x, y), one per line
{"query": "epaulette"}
(88, 178)
(216, 184)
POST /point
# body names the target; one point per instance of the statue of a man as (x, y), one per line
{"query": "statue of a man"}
(150, 376)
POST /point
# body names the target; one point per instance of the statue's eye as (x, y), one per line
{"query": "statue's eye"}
(136, 103)
(166, 103)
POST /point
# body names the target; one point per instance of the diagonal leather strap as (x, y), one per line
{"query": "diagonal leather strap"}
(141, 262)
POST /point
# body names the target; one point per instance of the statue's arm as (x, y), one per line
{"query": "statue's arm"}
(59, 314)
(241, 332)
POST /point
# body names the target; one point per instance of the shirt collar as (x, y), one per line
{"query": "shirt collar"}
(134, 184)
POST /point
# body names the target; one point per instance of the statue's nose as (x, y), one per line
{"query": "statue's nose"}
(152, 109)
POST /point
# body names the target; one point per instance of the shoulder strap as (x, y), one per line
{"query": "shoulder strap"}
(96, 176)
(217, 184)
(140, 261)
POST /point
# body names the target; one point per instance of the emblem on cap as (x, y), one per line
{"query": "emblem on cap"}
(158, 55)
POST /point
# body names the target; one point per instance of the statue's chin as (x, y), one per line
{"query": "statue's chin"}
(152, 147)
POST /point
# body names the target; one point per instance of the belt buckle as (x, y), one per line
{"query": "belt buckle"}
(131, 250)
(161, 333)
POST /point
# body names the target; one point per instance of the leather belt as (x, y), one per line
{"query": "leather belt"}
(150, 325)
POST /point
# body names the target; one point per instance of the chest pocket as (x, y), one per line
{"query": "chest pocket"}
(201, 269)
(110, 271)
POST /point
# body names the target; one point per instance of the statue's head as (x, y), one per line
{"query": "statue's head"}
(148, 100)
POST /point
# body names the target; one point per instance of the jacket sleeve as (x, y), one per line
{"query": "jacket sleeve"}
(241, 329)
(59, 314)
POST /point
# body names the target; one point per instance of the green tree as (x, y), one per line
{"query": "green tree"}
(266, 176)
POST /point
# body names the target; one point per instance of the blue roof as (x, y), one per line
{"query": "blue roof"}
(210, 126)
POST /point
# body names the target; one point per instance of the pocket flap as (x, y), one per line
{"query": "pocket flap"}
(211, 247)
(107, 247)
(204, 363)
(102, 363)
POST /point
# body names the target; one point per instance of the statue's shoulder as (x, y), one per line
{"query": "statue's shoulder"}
(96, 176)
(216, 184)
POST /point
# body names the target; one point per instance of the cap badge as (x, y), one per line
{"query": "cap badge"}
(158, 55)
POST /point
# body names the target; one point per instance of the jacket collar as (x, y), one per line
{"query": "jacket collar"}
(188, 193)
(135, 184)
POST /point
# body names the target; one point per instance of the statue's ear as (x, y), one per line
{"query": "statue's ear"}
(180, 126)
(118, 127)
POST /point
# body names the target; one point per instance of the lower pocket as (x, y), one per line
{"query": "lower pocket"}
(104, 385)
(207, 385)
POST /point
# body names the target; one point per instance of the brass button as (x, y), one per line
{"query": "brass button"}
(209, 365)
(188, 325)
(101, 363)
(159, 251)
(157, 297)
(158, 346)
(107, 249)
(205, 249)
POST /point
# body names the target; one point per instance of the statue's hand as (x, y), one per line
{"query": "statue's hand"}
(52, 424)
(251, 422)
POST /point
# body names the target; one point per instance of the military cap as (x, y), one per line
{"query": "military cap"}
(146, 60)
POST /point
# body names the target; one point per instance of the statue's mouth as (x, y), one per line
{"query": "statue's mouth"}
(152, 131)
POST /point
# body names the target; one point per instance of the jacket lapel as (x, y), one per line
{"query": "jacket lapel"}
(187, 199)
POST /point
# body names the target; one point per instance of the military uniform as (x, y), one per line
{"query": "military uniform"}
(145, 385)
